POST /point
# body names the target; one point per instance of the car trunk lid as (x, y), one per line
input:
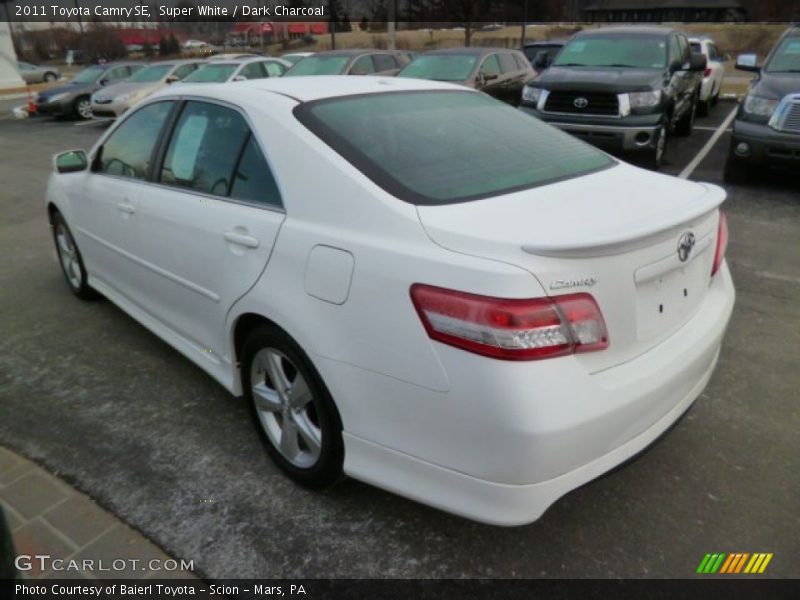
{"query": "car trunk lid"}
(614, 234)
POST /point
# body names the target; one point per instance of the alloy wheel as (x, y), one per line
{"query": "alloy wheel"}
(286, 407)
(85, 109)
(68, 254)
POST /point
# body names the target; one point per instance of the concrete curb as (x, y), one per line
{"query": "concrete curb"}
(48, 517)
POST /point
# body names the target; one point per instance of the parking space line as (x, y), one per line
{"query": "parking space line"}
(710, 128)
(709, 145)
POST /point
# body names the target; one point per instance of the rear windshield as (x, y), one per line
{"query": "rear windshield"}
(319, 65)
(443, 147)
(637, 51)
(443, 67)
(212, 73)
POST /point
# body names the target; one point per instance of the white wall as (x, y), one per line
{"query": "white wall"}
(9, 77)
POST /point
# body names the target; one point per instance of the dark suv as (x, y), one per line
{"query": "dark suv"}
(767, 127)
(621, 88)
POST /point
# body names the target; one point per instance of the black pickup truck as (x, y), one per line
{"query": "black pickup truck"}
(766, 131)
(625, 89)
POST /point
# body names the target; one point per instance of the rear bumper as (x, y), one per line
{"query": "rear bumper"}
(766, 147)
(502, 446)
(625, 135)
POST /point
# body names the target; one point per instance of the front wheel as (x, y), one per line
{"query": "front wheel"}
(49, 77)
(293, 409)
(83, 108)
(654, 157)
(70, 259)
(686, 124)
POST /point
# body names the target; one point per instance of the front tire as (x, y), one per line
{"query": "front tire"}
(294, 411)
(654, 157)
(686, 124)
(70, 259)
(83, 108)
(49, 77)
(736, 172)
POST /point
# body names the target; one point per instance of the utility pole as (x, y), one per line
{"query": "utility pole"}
(334, 18)
(391, 24)
(524, 26)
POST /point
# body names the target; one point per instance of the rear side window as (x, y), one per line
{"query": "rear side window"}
(442, 147)
(205, 146)
(363, 66)
(384, 62)
(508, 64)
(184, 70)
(273, 69)
(491, 66)
(253, 180)
(253, 71)
(127, 152)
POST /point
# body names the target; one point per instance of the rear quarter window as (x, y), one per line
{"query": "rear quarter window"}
(443, 147)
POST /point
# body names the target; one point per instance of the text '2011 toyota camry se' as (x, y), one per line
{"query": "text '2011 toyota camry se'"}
(412, 283)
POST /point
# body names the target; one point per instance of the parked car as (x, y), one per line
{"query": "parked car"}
(254, 67)
(232, 56)
(36, 74)
(714, 74)
(425, 312)
(350, 62)
(541, 54)
(75, 57)
(74, 98)
(621, 88)
(113, 100)
(194, 44)
(497, 71)
(295, 57)
(766, 131)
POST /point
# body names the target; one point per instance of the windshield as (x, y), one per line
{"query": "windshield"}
(154, 73)
(293, 58)
(636, 51)
(443, 67)
(88, 75)
(786, 58)
(441, 147)
(213, 73)
(319, 65)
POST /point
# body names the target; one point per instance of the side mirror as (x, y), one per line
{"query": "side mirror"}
(71, 161)
(239, 78)
(542, 60)
(697, 62)
(103, 81)
(172, 79)
(747, 62)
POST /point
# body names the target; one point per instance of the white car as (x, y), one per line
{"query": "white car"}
(714, 74)
(411, 283)
(193, 44)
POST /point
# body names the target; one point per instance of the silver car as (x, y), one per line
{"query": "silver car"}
(36, 74)
(258, 67)
(114, 100)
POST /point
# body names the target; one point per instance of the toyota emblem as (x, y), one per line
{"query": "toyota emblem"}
(580, 102)
(685, 245)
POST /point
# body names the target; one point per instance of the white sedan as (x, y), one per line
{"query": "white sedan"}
(411, 283)
(714, 74)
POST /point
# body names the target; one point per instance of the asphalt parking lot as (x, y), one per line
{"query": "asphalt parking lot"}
(94, 397)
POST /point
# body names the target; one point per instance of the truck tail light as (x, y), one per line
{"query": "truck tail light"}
(722, 243)
(707, 72)
(511, 329)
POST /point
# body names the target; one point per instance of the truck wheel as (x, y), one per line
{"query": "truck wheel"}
(702, 108)
(654, 157)
(736, 172)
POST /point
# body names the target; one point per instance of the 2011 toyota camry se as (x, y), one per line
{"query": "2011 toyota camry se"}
(412, 283)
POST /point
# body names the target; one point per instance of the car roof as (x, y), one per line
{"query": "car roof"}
(309, 88)
(559, 42)
(628, 30)
(477, 51)
(352, 52)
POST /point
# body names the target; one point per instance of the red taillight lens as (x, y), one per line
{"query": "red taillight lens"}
(511, 329)
(722, 243)
(707, 72)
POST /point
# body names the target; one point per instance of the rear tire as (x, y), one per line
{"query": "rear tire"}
(293, 410)
(70, 259)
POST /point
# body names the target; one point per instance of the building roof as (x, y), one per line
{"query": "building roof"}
(600, 5)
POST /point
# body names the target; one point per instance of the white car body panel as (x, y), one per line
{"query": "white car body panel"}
(712, 84)
(492, 440)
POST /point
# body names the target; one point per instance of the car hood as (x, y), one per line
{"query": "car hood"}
(72, 88)
(129, 87)
(600, 79)
(777, 85)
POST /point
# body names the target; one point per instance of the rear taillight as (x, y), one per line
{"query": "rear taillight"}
(722, 243)
(511, 329)
(707, 72)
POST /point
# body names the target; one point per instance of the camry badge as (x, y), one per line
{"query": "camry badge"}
(685, 245)
(561, 284)
(580, 102)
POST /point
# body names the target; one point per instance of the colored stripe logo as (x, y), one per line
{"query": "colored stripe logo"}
(734, 563)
